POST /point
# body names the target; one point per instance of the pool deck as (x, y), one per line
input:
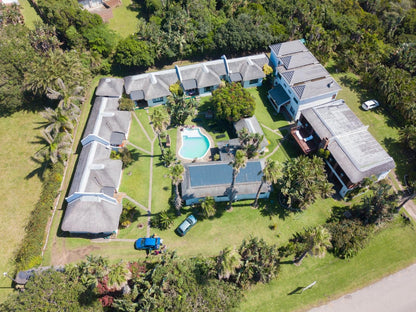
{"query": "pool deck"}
(207, 156)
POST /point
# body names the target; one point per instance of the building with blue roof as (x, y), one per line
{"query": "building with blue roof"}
(214, 179)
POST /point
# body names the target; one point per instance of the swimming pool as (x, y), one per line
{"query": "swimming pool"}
(194, 144)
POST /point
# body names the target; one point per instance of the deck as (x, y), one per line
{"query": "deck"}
(301, 138)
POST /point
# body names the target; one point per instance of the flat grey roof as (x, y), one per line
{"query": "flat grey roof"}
(112, 87)
(356, 151)
(289, 47)
(88, 214)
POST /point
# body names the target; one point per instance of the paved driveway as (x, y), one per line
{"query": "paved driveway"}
(394, 293)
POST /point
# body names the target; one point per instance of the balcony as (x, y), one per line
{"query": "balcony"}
(305, 138)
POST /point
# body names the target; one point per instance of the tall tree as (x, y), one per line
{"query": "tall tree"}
(56, 148)
(159, 121)
(180, 108)
(57, 120)
(303, 180)
(239, 162)
(270, 175)
(233, 102)
(176, 175)
(227, 263)
(314, 241)
(208, 207)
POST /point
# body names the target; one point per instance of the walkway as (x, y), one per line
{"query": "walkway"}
(277, 132)
(392, 293)
(148, 209)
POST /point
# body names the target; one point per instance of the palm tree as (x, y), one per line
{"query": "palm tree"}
(208, 207)
(176, 175)
(58, 120)
(227, 263)
(56, 149)
(159, 120)
(117, 275)
(270, 175)
(239, 162)
(316, 241)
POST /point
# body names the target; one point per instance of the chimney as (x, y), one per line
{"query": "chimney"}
(178, 72)
(227, 69)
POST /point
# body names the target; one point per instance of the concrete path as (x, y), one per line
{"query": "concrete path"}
(136, 203)
(109, 240)
(149, 206)
(393, 293)
(139, 148)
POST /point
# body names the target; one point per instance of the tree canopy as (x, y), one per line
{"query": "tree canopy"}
(232, 102)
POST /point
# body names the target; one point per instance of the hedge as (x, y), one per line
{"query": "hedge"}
(29, 253)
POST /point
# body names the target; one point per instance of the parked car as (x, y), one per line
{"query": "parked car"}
(370, 104)
(147, 243)
(186, 225)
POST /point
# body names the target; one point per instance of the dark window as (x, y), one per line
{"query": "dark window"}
(279, 76)
(296, 100)
(157, 100)
(207, 89)
(253, 81)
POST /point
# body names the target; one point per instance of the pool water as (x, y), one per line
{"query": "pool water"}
(194, 144)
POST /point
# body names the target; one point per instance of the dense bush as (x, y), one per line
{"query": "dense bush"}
(126, 104)
(29, 252)
(348, 237)
(129, 214)
(233, 102)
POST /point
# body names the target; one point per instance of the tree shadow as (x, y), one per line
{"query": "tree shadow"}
(404, 159)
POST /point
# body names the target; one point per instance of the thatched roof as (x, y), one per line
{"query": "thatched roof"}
(111, 87)
(89, 214)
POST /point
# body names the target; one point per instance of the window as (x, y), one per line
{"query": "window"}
(296, 100)
(292, 110)
(157, 100)
(207, 89)
(279, 76)
(253, 81)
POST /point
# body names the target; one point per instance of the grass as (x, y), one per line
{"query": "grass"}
(335, 277)
(381, 126)
(125, 19)
(383, 255)
(19, 194)
(135, 180)
(29, 14)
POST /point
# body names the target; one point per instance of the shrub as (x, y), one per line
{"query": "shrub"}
(163, 220)
(129, 214)
(348, 237)
(29, 253)
(176, 89)
(126, 104)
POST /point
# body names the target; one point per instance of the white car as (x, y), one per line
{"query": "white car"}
(370, 104)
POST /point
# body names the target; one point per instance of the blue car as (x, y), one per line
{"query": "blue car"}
(144, 243)
(186, 225)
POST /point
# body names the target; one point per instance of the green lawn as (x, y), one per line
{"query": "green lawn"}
(335, 277)
(125, 18)
(19, 195)
(29, 14)
(381, 126)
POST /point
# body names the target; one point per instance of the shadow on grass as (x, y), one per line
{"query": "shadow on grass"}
(404, 159)
(263, 91)
(296, 291)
